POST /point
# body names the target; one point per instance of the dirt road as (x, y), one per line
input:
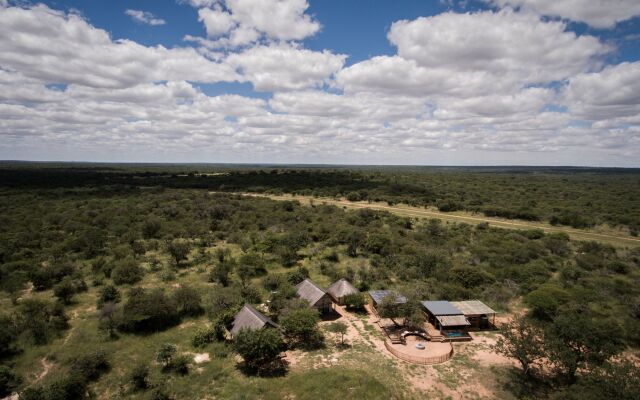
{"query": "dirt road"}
(610, 236)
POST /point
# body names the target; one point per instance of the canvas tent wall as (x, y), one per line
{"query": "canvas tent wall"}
(338, 290)
(317, 298)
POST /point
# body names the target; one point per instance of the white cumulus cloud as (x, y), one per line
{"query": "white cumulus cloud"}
(63, 48)
(597, 13)
(461, 88)
(241, 22)
(145, 17)
(285, 67)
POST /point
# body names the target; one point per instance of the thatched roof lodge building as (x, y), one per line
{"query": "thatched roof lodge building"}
(340, 289)
(250, 318)
(317, 298)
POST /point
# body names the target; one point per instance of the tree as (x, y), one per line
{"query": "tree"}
(107, 321)
(108, 294)
(389, 308)
(178, 250)
(279, 297)
(414, 318)
(33, 393)
(68, 387)
(259, 348)
(224, 266)
(245, 273)
(138, 248)
(353, 242)
(91, 365)
(577, 339)
(545, 301)
(40, 319)
(14, 283)
(354, 301)
(165, 354)
(127, 271)
(297, 276)
(187, 300)
(300, 327)
(64, 290)
(618, 380)
(151, 228)
(220, 273)
(338, 327)
(471, 277)
(8, 335)
(523, 341)
(8, 381)
(147, 311)
(223, 303)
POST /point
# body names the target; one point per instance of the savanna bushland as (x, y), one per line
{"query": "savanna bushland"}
(114, 276)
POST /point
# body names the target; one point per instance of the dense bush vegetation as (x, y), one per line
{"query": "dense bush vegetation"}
(150, 255)
(578, 197)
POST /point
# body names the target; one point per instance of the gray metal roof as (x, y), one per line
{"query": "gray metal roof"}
(309, 291)
(341, 288)
(473, 307)
(378, 295)
(441, 307)
(250, 318)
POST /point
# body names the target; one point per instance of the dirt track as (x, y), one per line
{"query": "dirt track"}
(611, 237)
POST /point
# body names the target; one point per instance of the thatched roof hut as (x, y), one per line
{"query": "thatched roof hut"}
(340, 289)
(250, 318)
(317, 298)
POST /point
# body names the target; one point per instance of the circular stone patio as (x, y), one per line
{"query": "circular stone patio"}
(434, 352)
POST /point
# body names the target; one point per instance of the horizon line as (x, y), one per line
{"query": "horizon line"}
(312, 164)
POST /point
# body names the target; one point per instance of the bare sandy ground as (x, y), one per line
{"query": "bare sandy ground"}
(467, 375)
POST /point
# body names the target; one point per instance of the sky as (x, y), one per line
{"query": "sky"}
(441, 82)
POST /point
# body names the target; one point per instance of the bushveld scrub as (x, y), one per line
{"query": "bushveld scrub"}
(221, 250)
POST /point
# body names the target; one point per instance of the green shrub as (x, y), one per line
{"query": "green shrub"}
(147, 311)
(204, 336)
(259, 347)
(127, 272)
(180, 364)
(355, 301)
(165, 354)
(90, 366)
(108, 294)
(139, 376)
(8, 381)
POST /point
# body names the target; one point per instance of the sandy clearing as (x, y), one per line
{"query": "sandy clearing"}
(200, 358)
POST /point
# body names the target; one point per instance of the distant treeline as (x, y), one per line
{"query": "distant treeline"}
(577, 197)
